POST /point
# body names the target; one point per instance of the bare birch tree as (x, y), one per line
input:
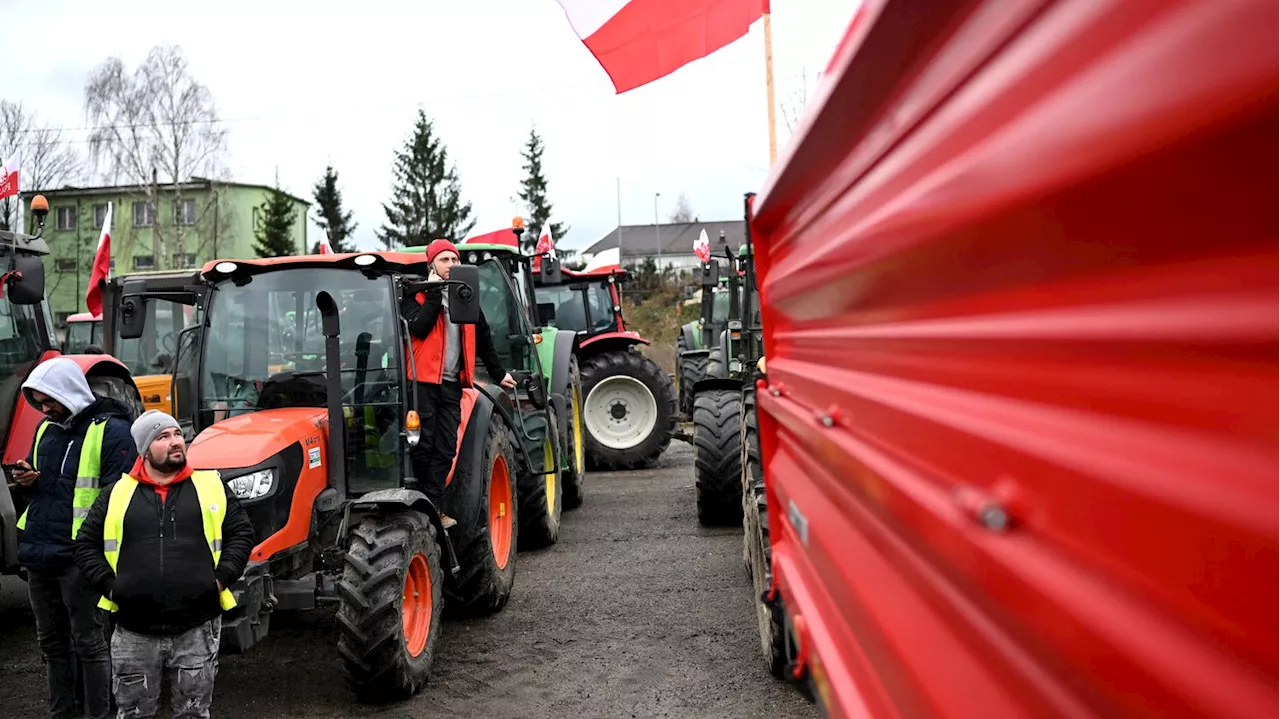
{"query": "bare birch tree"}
(155, 128)
(48, 160)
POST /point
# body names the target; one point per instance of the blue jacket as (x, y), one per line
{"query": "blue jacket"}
(46, 542)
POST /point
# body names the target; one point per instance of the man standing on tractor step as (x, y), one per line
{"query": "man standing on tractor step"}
(161, 548)
(81, 448)
(444, 360)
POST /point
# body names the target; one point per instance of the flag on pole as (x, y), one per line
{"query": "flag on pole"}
(639, 41)
(325, 247)
(545, 243)
(9, 175)
(101, 267)
(702, 247)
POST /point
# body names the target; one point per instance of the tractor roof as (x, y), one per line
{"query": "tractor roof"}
(24, 243)
(471, 246)
(387, 261)
(84, 317)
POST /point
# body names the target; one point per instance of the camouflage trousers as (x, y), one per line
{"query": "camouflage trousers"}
(188, 662)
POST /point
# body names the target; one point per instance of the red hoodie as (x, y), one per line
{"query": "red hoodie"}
(139, 472)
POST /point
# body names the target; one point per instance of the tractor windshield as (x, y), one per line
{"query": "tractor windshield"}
(83, 334)
(264, 347)
(720, 307)
(580, 308)
(153, 352)
(20, 349)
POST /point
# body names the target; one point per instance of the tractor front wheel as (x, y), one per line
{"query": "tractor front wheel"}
(691, 366)
(575, 477)
(717, 458)
(484, 540)
(541, 498)
(390, 606)
(630, 410)
(755, 523)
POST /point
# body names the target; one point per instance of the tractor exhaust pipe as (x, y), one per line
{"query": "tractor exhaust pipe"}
(333, 390)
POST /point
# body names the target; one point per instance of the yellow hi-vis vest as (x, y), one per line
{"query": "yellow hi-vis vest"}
(87, 474)
(212, 495)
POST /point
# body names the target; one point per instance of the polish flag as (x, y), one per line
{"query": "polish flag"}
(639, 41)
(702, 248)
(544, 242)
(9, 175)
(325, 247)
(101, 267)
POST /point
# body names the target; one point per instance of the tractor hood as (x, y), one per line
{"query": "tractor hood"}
(248, 439)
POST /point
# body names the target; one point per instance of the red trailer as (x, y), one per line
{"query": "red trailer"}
(1018, 272)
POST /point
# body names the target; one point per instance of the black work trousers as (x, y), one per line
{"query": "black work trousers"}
(69, 627)
(440, 411)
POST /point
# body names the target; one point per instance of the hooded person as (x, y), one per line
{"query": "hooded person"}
(80, 449)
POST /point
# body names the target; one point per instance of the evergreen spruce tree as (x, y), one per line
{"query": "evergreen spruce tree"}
(275, 233)
(426, 200)
(335, 223)
(533, 192)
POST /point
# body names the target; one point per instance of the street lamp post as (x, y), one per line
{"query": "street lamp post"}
(657, 232)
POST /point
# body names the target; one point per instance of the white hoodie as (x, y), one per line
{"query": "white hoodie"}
(63, 380)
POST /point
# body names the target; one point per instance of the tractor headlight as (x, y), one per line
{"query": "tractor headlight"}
(252, 485)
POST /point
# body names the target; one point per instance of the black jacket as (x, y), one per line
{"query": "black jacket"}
(46, 541)
(422, 320)
(166, 583)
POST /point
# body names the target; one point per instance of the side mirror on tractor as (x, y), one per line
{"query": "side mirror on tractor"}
(133, 310)
(464, 294)
(26, 285)
(550, 268)
(710, 274)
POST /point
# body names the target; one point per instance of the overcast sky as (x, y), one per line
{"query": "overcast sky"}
(299, 85)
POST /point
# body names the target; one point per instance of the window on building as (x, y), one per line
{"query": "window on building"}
(182, 262)
(99, 214)
(67, 264)
(184, 213)
(66, 218)
(144, 214)
(144, 262)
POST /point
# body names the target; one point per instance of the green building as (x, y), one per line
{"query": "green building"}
(198, 221)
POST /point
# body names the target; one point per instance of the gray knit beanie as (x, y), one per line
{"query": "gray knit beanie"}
(148, 425)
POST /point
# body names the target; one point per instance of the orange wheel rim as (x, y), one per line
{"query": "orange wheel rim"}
(416, 607)
(500, 526)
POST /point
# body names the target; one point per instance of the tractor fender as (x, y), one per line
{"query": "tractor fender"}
(384, 500)
(8, 531)
(708, 383)
(724, 348)
(562, 354)
(691, 334)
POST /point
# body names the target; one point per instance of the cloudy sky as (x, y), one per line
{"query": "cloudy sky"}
(299, 85)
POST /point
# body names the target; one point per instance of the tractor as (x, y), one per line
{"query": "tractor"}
(725, 388)
(695, 340)
(629, 404)
(294, 385)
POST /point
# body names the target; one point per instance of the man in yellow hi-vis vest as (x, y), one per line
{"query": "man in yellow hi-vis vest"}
(81, 448)
(162, 548)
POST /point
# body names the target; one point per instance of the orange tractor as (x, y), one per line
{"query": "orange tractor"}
(295, 388)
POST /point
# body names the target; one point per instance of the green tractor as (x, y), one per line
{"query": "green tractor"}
(727, 385)
(695, 339)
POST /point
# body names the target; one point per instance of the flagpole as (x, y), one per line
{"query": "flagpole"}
(768, 84)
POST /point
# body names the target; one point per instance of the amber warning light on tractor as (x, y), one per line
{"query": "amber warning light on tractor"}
(413, 427)
(517, 223)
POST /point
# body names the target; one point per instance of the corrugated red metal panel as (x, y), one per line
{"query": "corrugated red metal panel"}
(1023, 263)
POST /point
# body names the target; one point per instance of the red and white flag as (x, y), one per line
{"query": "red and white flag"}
(325, 247)
(702, 248)
(545, 244)
(639, 41)
(101, 267)
(9, 174)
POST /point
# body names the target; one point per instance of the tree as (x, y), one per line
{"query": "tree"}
(533, 192)
(275, 234)
(48, 161)
(683, 211)
(426, 200)
(337, 225)
(155, 128)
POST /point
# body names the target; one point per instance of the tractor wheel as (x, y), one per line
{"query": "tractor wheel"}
(716, 366)
(717, 458)
(389, 606)
(755, 523)
(690, 369)
(629, 411)
(541, 496)
(484, 540)
(575, 478)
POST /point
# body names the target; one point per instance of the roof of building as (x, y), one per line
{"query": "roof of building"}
(195, 183)
(675, 238)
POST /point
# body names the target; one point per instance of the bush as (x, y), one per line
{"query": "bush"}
(653, 305)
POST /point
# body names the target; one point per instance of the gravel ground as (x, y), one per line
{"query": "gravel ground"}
(636, 612)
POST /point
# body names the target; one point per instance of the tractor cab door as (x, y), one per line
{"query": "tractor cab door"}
(514, 341)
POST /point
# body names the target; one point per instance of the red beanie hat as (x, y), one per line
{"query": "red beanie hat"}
(438, 246)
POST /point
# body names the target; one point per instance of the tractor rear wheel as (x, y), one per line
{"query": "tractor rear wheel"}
(689, 369)
(389, 606)
(542, 495)
(575, 478)
(629, 411)
(717, 458)
(755, 523)
(485, 538)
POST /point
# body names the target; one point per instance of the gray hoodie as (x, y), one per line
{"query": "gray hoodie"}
(63, 380)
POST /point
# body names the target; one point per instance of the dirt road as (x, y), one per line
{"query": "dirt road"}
(636, 612)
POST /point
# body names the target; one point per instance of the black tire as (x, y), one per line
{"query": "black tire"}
(717, 458)
(372, 640)
(690, 369)
(755, 523)
(715, 366)
(645, 452)
(575, 479)
(482, 584)
(540, 513)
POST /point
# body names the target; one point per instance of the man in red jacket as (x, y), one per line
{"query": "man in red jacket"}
(444, 361)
